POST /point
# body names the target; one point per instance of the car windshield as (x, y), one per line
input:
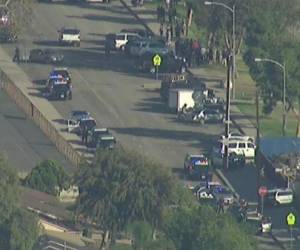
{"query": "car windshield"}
(120, 37)
(285, 193)
(71, 31)
(62, 73)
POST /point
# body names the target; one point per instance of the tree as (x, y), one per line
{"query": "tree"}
(48, 176)
(23, 230)
(121, 187)
(19, 12)
(8, 191)
(18, 228)
(199, 227)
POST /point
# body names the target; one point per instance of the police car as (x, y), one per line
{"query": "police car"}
(197, 166)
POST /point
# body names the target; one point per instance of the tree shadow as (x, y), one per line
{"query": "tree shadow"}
(152, 104)
(183, 135)
(109, 19)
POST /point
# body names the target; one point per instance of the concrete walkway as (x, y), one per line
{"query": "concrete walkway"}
(149, 19)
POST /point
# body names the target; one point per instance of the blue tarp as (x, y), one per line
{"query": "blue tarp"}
(275, 146)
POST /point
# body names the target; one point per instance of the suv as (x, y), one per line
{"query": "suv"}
(95, 135)
(245, 148)
(121, 39)
(106, 142)
(154, 47)
(197, 166)
(69, 36)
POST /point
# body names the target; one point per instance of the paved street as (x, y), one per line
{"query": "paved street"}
(22, 142)
(109, 88)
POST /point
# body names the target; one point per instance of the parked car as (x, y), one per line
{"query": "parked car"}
(69, 36)
(154, 47)
(77, 126)
(121, 39)
(239, 147)
(95, 135)
(223, 193)
(210, 115)
(197, 166)
(280, 196)
(202, 192)
(45, 56)
(61, 72)
(106, 142)
(60, 91)
(78, 115)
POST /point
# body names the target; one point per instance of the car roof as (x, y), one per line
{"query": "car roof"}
(107, 137)
(79, 112)
(196, 155)
(100, 129)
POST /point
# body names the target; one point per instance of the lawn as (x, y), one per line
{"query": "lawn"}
(245, 87)
(270, 125)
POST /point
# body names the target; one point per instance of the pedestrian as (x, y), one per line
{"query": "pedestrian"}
(16, 57)
(203, 54)
(107, 48)
(161, 30)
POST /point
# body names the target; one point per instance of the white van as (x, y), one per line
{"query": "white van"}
(237, 146)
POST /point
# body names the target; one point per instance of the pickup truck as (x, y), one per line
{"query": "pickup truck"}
(69, 36)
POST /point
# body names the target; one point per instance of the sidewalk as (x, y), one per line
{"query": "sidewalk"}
(149, 20)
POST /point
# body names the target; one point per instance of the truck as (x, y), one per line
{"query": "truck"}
(179, 97)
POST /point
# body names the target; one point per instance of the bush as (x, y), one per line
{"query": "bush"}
(47, 176)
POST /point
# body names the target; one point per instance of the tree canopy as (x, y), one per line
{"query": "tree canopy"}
(48, 176)
(18, 228)
(123, 190)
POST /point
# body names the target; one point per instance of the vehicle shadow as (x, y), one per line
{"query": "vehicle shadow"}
(49, 43)
(60, 121)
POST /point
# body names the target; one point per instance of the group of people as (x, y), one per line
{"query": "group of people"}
(196, 54)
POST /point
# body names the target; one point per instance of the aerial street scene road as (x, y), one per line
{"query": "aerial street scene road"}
(149, 125)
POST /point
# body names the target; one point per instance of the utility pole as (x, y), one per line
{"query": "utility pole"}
(257, 153)
(227, 119)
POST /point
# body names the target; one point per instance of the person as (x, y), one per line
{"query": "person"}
(184, 108)
(161, 30)
(220, 207)
(107, 48)
(16, 57)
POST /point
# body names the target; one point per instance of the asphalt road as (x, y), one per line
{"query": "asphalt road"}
(108, 87)
(113, 93)
(22, 142)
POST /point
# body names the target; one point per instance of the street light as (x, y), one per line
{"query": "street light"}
(282, 66)
(232, 10)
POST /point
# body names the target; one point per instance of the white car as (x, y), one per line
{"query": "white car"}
(280, 196)
(121, 39)
(69, 36)
(238, 136)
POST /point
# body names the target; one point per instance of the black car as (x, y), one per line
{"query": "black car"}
(106, 142)
(197, 167)
(60, 92)
(95, 135)
(45, 56)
